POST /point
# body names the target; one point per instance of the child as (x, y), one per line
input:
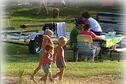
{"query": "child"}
(46, 41)
(45, 63)
(87, 31)
(59, 57)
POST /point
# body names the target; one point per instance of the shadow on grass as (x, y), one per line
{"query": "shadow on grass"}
(12, 49)
(18, 53)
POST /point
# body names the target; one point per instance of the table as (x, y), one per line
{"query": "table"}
(109, 41)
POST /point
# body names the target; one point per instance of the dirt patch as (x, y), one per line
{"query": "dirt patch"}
(67, 80)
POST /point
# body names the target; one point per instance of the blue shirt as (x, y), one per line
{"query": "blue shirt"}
(95, 26)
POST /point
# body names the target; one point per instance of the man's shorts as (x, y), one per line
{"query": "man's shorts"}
(46, 68)
(59, 63)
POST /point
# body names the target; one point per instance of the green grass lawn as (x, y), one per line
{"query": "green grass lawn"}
(18, 59)
(24, 15)
(73, 69)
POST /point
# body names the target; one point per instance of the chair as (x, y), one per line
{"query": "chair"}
(85, 47)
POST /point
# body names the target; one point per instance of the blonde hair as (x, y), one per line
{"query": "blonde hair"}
(48, 32)
(62, 40)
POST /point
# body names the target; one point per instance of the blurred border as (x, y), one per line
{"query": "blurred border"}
(3, 4)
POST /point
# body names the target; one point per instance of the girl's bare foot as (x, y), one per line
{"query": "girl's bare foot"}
(52, 80)
(32, 78)
(42, 79)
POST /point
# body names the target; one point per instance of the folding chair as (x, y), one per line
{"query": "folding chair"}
(85, 47)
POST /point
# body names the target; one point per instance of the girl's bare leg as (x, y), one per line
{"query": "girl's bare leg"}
(57, 75)
(35, 71)
(61, 73)
(50, 77)
(45, 77)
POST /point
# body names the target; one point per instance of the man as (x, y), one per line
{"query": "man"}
(79, 23)
(95, 26)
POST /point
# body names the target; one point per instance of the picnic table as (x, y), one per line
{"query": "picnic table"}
(109, 40)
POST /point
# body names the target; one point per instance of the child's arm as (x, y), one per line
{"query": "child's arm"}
(40, 61)
(50, 56)
(54, 55)
(62, 57)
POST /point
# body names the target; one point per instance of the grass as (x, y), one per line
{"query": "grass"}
(28, 15)
(18, 59)
(74, 69)
(17, 21)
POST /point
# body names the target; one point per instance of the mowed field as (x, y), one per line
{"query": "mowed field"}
(20, 64)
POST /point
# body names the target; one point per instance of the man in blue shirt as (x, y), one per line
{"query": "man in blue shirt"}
(95, 26)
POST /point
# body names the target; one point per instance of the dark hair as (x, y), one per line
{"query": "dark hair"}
(79, 20)
(86, 27)
(85, 14)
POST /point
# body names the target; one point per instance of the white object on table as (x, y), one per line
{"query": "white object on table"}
(61, 29)
(102, 37)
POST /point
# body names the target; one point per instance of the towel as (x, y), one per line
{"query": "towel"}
(61, 29)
